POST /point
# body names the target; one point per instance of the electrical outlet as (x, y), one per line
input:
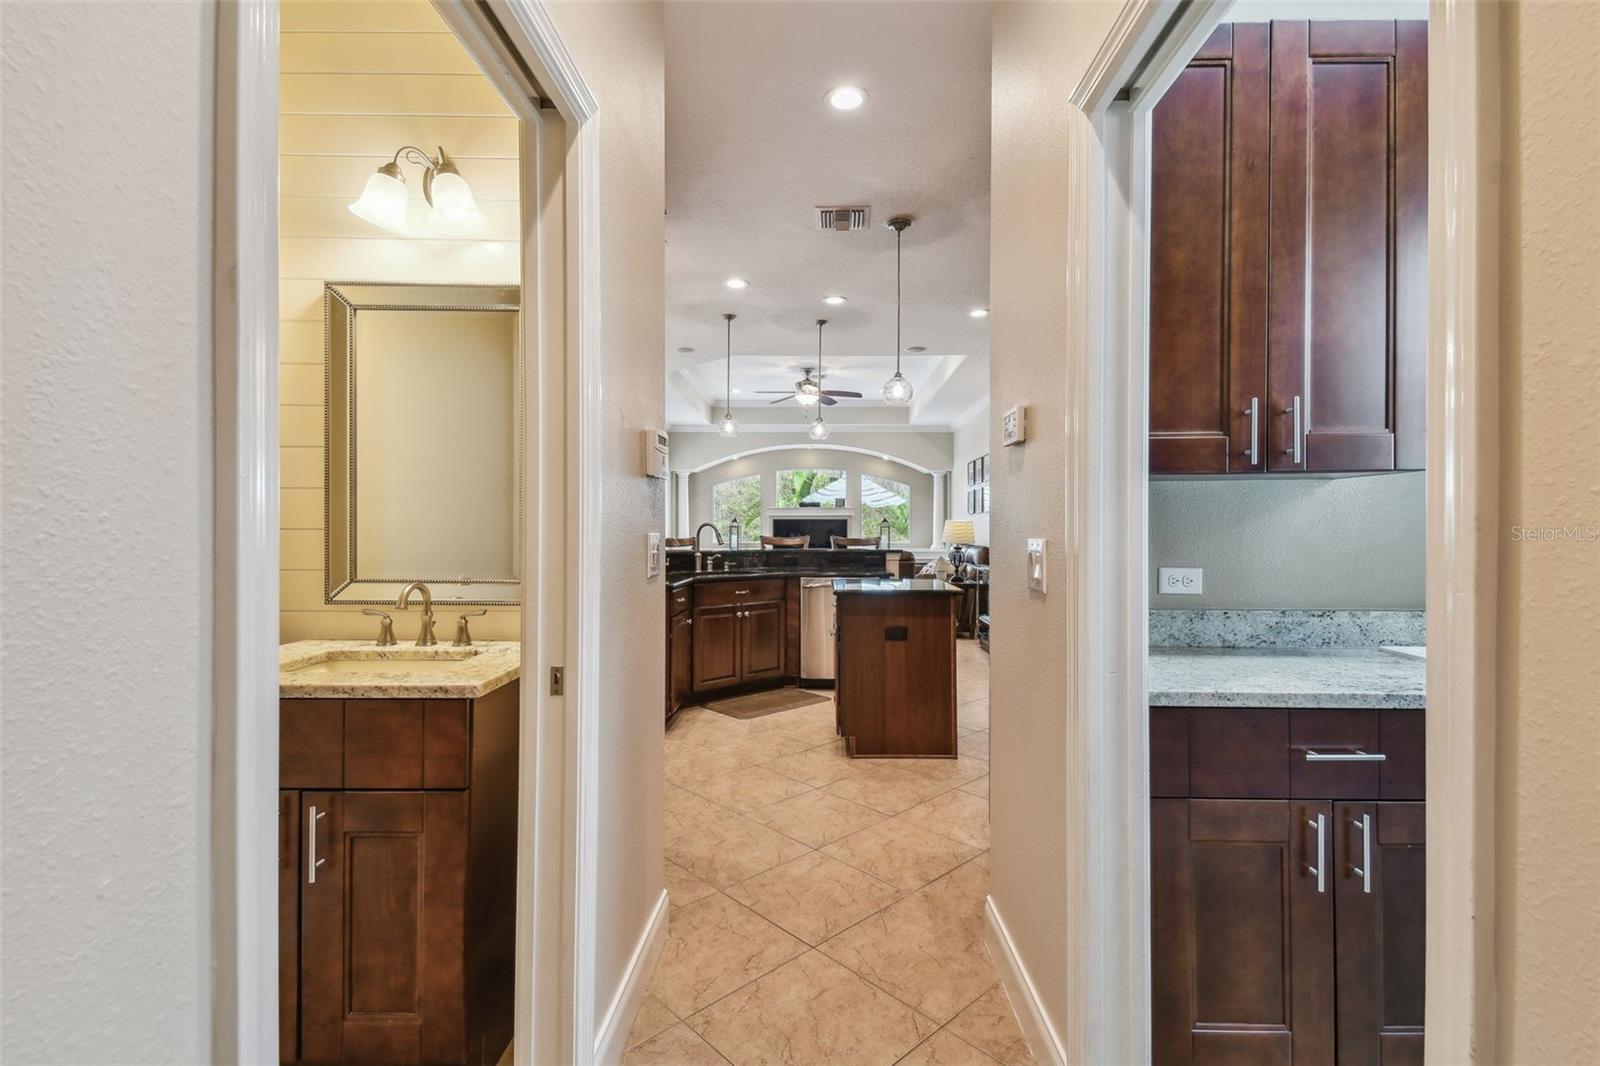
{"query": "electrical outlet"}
(1180, 580)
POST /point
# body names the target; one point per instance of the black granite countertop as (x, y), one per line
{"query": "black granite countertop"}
(678, 581)
(919, 585)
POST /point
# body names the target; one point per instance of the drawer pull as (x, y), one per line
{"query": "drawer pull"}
(1364, 871)
(1320, 824)
(313, 816)
(1345, 756)
(741, 592)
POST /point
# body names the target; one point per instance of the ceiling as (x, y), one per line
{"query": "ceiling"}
(753, 147)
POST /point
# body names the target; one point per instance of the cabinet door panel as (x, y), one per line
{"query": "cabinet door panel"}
(383, 743)
(762, 638)
(1208, 256)
(682, 660)
(716, 647)
(1380, 945)
(289, 926)
(1240, 934)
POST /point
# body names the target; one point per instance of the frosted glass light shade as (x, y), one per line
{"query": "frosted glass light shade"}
(818, 430)
(728, 427)
(807, 397)
(455, 211)
(383, 201)
(897, 390)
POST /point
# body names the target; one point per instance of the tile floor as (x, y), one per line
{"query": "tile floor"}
(824, 909)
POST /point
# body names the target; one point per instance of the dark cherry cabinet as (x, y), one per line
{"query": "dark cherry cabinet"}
(716, 652)
(740, 633)
(1286, 886)
(397, 878)
(680, 661)
(761, 642)
(1288, 271)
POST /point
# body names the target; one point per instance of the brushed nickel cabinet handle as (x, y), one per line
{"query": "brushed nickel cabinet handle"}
(313, 816)
(1319, 871)
(741, 592)
(1364, 871)
(1297, 412)
(1345, 756)
(1253, 453)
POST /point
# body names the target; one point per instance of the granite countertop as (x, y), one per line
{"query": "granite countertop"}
(489, 664)
(1285, 677)
(922, 585)
(678, 581)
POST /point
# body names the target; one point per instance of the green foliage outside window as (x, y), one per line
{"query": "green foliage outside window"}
(794, 486)
(738, 499)
(884, 499)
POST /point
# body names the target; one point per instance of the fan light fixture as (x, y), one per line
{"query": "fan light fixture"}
(897, 390)
(728, 427)
(819, 428)
(454, 210)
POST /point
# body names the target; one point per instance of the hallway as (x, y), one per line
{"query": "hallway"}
(826, 909)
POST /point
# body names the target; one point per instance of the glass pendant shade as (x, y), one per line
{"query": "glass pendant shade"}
(819, 429)
(728, 427)
(897, 390)
(807, 397)
(455, 211)
(383, 201)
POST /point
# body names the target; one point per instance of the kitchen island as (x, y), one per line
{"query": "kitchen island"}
(896, 667)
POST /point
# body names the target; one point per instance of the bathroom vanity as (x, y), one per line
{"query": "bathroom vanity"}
(397, 851)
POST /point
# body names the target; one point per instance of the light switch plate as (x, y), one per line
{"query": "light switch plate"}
(1180, 580)
(652, 555)
(1036, 563)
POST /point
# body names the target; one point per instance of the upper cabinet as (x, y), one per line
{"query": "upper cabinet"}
(1288, 272)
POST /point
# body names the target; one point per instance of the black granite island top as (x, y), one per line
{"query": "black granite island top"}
(747, 563)
(920, 585)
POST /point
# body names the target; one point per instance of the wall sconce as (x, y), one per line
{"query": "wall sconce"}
(454, 211)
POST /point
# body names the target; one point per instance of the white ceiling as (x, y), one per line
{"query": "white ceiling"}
(753, 148)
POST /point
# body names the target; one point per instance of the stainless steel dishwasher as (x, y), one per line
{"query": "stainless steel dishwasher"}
(816, 629)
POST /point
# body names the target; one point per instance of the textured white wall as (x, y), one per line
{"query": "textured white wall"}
(105, 636)
(618, 48)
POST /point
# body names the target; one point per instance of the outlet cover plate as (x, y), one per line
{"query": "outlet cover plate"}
(1180, 580)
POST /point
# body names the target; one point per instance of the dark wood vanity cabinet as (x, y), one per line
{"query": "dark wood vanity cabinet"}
(397, 879)
(1287, 894)
(1288, 252)
(740, 633)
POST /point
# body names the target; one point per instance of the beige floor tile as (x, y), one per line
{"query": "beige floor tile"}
(677, 1046)
(687, 765)
(811, 1011)
(944, 1048)
(957, 815)
(957, 771)
(975, 744)
(817, 818)
(920, 953)
(811, 729)
(900, 853)
(958, 897)
(685, 812)
(818, 766)
(974, 715)
(814, 896)
(731, 847)
(756, 748)
(749, 789)
(653, 1017)
(684, 887)
(980, 787)
(990, 1025)
(712, 947)
(889, 789)
(703, 727)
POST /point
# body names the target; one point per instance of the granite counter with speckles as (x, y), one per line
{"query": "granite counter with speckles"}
(368, 671)
(1285, 677)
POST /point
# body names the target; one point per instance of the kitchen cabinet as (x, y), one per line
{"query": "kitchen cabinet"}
(1288, 270)
(397, 878)
(680, 661)
(740, 634)
(895, 668)
(1287, 892)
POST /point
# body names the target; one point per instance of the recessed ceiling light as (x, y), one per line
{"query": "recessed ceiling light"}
(685, 350)
(833, 301)
(737, 283)
(847, 98)
(979, 312)
(913, 348)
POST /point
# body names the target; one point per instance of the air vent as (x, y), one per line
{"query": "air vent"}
(842, 219)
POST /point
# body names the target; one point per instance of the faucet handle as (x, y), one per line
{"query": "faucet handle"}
(463, 634)
(385, 627)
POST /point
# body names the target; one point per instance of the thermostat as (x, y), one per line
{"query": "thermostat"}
(1014, 425)
(655, 453)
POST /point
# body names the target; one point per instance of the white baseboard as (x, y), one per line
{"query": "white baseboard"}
(612, 1039)
(1043, 1040)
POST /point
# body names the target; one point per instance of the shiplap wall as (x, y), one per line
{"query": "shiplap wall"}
(358, 81)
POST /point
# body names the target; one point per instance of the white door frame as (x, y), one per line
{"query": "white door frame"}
(1108, 911)
(557, 859)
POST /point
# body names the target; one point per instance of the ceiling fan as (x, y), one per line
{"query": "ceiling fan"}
(808, 391)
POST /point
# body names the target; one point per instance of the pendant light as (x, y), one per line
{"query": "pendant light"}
(819, 428)
(897, 390)
(729, 428)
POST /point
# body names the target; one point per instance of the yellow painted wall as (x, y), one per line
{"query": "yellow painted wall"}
(1547, 812)
(358, 81)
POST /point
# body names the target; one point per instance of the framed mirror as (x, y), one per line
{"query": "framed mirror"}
(423, 438)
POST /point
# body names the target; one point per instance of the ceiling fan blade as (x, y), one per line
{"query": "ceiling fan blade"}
(827, 400)
(781, 399)
(774, 392)
(838, 392)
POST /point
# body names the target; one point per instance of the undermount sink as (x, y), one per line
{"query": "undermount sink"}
(421, 662)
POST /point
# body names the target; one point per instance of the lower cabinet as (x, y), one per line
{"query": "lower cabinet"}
(397, 879)
(680, 661)
(740, 634)
(1285, 930)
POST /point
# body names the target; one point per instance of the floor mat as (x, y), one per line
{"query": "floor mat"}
(759, 704)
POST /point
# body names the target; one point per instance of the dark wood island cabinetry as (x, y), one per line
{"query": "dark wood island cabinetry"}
(896, 667)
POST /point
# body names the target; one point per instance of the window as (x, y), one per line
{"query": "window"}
(811, 488)
(886, 500)
(739, 499)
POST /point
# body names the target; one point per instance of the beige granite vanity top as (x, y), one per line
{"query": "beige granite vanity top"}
(488, 665)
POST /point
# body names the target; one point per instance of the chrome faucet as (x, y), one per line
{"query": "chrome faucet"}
(714, 532)
(425, 637)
